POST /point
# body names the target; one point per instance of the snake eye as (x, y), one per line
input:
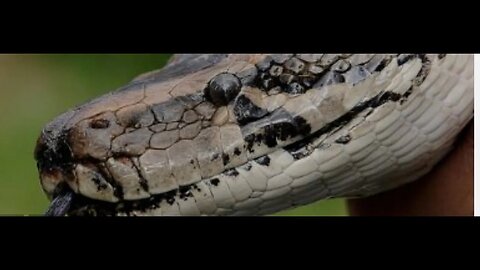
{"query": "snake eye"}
(223, 88)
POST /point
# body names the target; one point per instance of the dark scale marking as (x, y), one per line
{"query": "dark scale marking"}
(299, 153)
(170, 196)
(275, 71)
(250, 140)
(406, 95)
(214, 156)
(118, 191)
(226, 159)
(341, 66)
(295, 89)
(308, 81)
(184, 189)
(231, 172)
(196, 188)
(380, 99)
(382, 64)
(403, 58)
(424, 71)
(105, 173)
(237, 151)
(247, 167)
(245, 111)
(280, 126)
(268, 83)
(344, 139)
(100, 185)
(185, 192)
(214, 181)
(377, 63)
(281, 131)
(265, 160)
(442, 55)
(303, 127)
(143, 182)
(260, 138)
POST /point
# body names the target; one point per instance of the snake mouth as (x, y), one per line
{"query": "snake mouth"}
(83, 206)
(67, 202)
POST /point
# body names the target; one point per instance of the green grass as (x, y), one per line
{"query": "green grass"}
(36, 88)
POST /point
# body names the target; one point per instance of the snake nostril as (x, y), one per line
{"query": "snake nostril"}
(99, 124)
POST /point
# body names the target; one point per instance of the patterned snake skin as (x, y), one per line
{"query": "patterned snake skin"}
(255, 134)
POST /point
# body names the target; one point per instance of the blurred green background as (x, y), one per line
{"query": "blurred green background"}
(36, 88)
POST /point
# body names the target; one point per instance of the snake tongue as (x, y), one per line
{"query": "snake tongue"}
(62, 202)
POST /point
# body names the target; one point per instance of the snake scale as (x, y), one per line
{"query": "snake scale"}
(253, 134)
